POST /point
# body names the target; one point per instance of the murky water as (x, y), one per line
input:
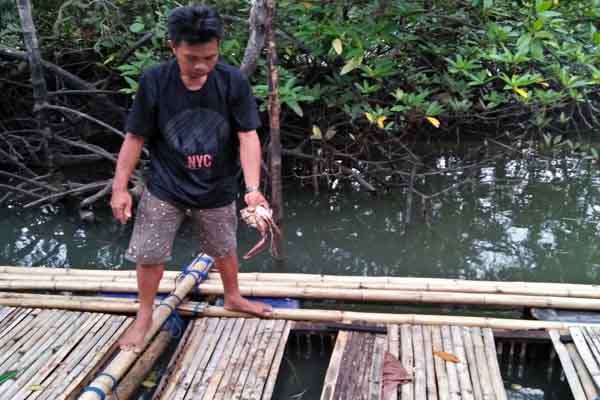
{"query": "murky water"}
(531, 219)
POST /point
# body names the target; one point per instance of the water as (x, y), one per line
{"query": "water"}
(517, 219)
(521, 220)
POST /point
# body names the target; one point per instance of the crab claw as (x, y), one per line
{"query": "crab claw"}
(258, 247)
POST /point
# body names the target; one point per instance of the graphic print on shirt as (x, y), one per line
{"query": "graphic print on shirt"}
(195, 136)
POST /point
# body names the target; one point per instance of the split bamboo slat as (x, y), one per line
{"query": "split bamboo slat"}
(102, 342)
(482, 364)
(472, 362)
(263, 333)
(442, 380)
(586, 354)
(393, 347)
(494, 367)
(451, 369)
(124, 359)
(277, 358)
(355, 366)
(584, 376)
(256, 391)
(232, 374)
(333, 370)
(326, 281)
(41, 345)
(376, 373)
(568, 367)
(210, 360)
(199, 332)
(420, 377)
(70, 370)
(55, 357)
(429, 363)
(201, 357)
(593, 341)
(462, 367)
(215, 375)
(406, 356)
(176, 357)
(365, 368)
(226, 358)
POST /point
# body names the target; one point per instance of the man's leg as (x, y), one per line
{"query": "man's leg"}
(148, 280)
(228, 269)
(156, 224)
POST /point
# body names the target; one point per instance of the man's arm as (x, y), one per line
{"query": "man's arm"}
(129, 156)
(250, 158)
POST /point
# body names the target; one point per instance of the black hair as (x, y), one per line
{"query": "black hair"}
(194, 24)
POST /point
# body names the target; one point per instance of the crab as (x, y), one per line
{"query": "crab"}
(261, 218)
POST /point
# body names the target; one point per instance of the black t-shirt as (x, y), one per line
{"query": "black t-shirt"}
(192, 135)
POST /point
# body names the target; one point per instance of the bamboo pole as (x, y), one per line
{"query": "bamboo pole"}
(124, 359)
(142, 367)
(341, 281)
(362, 295)
(316, 315)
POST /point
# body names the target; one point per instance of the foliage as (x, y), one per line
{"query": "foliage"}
(387, 66)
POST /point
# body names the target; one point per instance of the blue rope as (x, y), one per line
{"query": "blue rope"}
(199, 276)
(174, 323)
(112, 378)
(199, 305)
(179, 300)
(96, 390)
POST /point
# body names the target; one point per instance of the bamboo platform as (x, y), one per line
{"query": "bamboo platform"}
(578, 349)
(50, 352)
(355, 369)
(226, 358)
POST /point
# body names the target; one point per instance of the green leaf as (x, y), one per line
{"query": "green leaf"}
(542, 6)
(596, 38)
(8, 375)
(293, 104)
(351, 65)
(316, 133)
(594, 153)
(136, 27)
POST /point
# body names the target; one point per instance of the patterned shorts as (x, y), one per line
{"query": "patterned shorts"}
(157, 222)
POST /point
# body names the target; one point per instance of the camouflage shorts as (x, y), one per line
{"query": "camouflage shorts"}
(157, 222)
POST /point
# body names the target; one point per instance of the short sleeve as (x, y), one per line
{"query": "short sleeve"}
(244, 109)
(142, 117)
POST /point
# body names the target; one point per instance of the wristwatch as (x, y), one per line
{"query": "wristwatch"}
(250, 189)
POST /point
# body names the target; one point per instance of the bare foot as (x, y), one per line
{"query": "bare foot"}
(246, 306)
(133, 339)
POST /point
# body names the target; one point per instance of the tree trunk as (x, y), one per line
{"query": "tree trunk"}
(274, 110)
(256, 41)
(38, 82)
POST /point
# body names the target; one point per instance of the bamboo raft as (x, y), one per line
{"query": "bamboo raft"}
(48, 353)
(227, 358)
(64, 346)
(356, 364)
(579, 356)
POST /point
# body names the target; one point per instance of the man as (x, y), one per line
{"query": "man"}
(197, 115)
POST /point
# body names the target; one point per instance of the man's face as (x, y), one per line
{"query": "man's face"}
(196, 60)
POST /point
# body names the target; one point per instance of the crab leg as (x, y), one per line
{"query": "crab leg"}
(258, 247)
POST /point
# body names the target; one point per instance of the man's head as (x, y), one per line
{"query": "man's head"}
(194, 35)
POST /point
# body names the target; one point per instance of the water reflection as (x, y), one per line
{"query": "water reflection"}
(527, 219)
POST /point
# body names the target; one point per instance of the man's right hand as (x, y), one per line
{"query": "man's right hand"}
(120, 203)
